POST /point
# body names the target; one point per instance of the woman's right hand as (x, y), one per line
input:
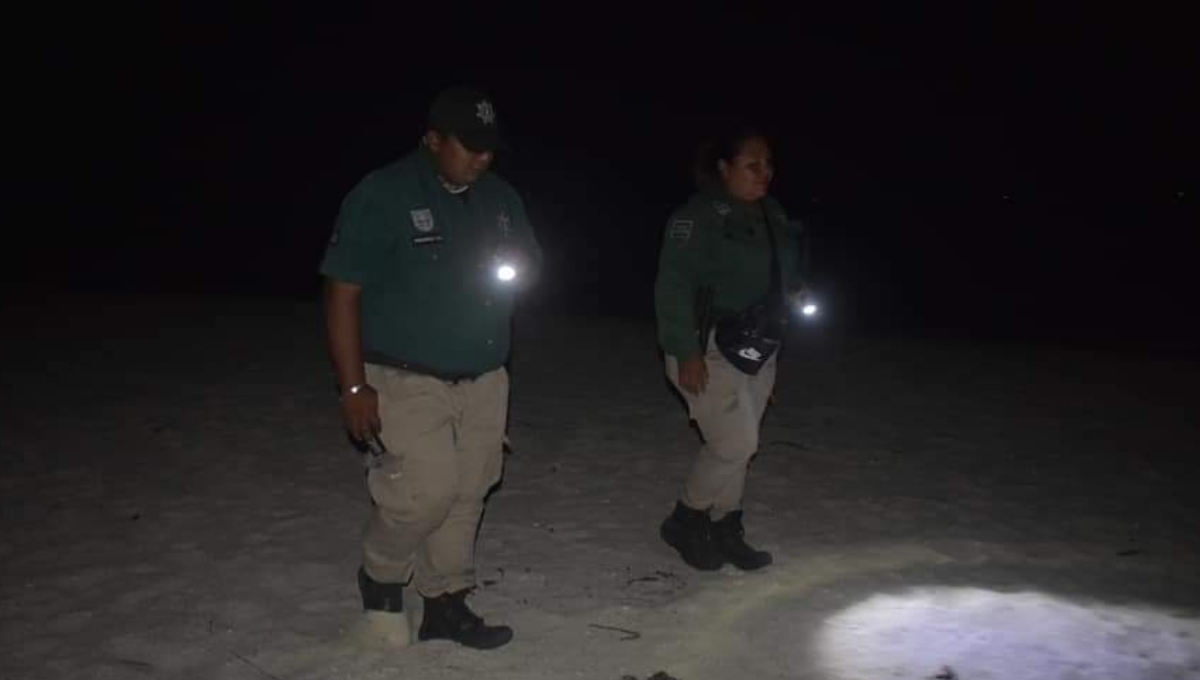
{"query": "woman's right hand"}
(693, 374)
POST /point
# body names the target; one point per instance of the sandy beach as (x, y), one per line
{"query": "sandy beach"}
(178, 501)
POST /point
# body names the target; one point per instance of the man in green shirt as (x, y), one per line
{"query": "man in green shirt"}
(421, 273)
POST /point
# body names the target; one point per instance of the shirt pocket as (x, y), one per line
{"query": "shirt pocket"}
(743, 253)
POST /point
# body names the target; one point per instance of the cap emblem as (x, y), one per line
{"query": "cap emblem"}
(485, 112)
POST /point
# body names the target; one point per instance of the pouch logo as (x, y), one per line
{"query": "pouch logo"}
(422, 220)
(750, 353)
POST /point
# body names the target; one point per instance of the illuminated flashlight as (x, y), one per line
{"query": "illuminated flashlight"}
(806, 307)
(506, 272)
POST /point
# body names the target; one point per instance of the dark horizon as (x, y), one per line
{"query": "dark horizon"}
(1008, 174)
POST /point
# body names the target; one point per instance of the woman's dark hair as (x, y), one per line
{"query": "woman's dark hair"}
(723, 147)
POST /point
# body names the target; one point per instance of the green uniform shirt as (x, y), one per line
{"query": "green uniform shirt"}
(426, 261)
(718, 241)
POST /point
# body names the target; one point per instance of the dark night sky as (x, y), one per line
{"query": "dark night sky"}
(1014, 172)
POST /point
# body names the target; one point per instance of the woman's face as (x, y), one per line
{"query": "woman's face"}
(748, 175)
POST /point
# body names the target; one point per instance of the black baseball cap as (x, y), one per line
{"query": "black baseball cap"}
(468, 114)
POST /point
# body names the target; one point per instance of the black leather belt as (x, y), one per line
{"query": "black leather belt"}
(392, 362)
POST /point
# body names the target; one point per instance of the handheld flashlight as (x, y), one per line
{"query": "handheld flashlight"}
(806, 307)
(506, 265)
(505, 272)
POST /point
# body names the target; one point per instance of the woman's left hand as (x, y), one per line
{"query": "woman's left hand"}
(798, 297)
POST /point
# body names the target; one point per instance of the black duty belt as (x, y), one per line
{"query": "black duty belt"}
(392, 362)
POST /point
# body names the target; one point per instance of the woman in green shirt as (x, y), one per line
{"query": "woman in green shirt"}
(727, 263)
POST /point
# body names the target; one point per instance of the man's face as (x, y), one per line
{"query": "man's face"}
(748, 175)
(456, 163)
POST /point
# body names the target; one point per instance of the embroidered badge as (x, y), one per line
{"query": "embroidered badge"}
(422, 220)
(680, 230)
(485, 112)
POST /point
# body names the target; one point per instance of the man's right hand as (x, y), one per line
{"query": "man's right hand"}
(343, 309)
(360, 413)
(693, 374)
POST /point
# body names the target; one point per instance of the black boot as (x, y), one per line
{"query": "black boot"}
(384, 597)
(688, 531)
(728, 535)
(448, 618)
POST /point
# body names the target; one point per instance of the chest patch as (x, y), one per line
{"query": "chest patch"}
(422, 220)
(681, 230)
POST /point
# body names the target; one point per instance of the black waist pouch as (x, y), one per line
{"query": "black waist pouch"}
(751, 337)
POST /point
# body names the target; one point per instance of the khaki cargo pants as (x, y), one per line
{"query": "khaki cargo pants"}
(445, 451)
(729, 413)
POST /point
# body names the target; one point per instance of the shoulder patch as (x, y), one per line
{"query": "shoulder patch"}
(681, 230)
